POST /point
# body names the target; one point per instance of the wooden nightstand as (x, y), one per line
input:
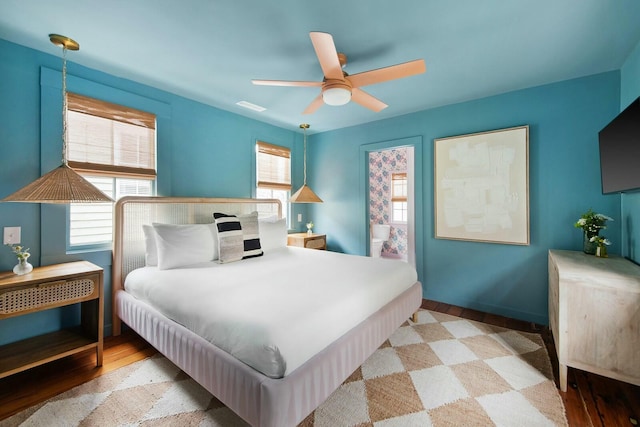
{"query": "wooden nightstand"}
(306, 240)
(49, 287)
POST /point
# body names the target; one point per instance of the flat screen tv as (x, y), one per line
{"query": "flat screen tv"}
(620, 151)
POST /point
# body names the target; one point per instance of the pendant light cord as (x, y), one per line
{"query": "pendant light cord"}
(304, 130)
(64, 105)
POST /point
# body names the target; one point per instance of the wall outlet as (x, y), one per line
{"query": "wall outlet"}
(12, 235)
(299, 217)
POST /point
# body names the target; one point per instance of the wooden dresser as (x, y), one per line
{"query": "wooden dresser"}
(594, 314)
(307, 240)
(49, 287)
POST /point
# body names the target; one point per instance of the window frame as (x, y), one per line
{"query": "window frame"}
(283, 186)
(402, 198)
(105, 244)
(117, 116)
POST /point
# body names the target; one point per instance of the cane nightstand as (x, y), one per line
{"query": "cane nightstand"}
(45, 288)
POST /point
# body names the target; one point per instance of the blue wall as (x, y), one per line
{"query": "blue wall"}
(202, 151)
(564, 120)
(629, 91)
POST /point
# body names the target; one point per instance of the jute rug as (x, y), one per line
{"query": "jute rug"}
(440, 371)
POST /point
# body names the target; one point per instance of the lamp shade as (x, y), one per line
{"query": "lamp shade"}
(305, 195)
(61, 185)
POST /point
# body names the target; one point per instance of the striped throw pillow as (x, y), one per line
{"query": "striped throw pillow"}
(250, 235)
(238, 237)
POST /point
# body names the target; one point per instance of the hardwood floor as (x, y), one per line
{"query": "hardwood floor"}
(591, 400)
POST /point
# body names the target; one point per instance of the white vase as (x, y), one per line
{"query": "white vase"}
(22, 267)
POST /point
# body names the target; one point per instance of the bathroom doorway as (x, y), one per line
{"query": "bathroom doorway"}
(391, 203)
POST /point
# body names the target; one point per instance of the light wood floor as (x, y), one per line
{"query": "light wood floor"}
(591, 400)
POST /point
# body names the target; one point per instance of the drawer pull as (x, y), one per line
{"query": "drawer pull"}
(45, 294)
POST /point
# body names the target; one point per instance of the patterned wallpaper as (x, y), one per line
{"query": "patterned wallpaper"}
(381, 165)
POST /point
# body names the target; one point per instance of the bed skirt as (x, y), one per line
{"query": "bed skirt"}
(258, 399)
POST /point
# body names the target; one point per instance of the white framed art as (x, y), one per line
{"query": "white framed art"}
(481, 185)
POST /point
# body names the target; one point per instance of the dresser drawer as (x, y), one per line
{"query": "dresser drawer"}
(317, 243)
(309, 241)
(47, 295)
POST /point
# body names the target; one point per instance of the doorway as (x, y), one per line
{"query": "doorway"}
(391, 203)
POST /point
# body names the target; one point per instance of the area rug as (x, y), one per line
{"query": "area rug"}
(440, 371)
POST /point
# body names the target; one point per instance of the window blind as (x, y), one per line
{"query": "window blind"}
(273, 166)
(398, 187)
(110, 140)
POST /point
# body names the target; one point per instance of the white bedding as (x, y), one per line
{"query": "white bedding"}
(276, 311)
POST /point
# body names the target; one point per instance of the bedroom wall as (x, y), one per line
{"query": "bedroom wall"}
(630, 206)
(202, 151)
(564, 181)
(203, 148)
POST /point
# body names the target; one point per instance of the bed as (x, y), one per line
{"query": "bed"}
(284, 383)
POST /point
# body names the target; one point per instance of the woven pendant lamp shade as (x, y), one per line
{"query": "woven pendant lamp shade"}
(61, 185)
(304, 193)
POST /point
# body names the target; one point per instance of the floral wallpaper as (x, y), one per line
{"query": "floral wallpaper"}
(381, 165)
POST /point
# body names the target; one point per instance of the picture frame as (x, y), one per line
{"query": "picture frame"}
(481, 186)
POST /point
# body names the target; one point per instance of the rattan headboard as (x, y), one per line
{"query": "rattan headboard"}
(132, 212)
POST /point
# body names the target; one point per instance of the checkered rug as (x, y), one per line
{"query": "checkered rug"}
(440, 371)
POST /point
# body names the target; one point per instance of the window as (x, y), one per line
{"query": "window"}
(114, 148)
(399, 197)
(273, 173)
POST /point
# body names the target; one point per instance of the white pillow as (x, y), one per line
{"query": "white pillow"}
(273, 234)
(184, 244)
(150, 247)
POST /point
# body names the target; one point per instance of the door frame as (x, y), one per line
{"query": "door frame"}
(418, 194)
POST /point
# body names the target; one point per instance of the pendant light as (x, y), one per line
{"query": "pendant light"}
(304, 194)
(63, 184)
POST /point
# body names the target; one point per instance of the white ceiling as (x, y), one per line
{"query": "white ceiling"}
(209, 50)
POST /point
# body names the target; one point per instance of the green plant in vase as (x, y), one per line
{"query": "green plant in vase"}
(602, 243)
(591, 224)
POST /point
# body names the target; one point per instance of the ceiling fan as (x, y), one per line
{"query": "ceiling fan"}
(338, 87)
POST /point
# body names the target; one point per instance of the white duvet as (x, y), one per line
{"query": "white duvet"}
(277, 311)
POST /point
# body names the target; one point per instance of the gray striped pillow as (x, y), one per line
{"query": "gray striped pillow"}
(238, 237)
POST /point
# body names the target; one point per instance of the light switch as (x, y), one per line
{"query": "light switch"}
(12, 235)
(299, 217)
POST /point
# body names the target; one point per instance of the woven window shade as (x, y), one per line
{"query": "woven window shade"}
(273, 166)
(399, 187)
(109, 139)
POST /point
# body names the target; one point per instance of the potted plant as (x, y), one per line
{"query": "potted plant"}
(591, 224)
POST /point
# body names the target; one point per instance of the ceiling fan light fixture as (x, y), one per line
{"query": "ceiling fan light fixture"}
(336, 92)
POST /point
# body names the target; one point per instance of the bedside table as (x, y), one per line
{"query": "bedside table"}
(309, 241)
(49, 287)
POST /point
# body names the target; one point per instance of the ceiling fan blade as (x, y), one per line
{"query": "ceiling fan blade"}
(392, 72)
(315, 104)
(369, 101)
(284, 83)
(327, 55)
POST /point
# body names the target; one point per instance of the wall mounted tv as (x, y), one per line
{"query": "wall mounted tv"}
(620, 151)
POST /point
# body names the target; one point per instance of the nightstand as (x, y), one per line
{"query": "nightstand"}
(309, 241)
(49, 287)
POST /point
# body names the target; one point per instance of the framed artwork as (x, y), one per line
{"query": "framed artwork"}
(482, 186)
